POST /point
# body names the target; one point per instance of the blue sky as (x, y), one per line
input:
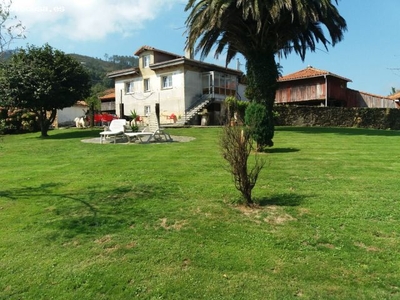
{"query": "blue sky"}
(369, 54)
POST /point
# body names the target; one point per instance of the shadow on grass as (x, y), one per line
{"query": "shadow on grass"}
(63, 134)
(280, 150)
(23, 192)
(282, 200)
(339, 130)
(93, 210)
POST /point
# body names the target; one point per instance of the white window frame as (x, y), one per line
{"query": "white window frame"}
(146, 61)
(147, 110)
(129, 87)
(166, 81)
(146, 84)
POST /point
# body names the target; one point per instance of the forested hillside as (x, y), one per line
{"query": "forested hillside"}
(98, 68)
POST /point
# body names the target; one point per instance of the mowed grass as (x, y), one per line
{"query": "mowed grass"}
(158, 221)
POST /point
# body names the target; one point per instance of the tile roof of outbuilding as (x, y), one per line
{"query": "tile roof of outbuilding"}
(373, 95)
(108, 96)
(309, 72)
(395, 96)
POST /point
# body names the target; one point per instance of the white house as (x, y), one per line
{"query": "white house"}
(66, 116)
(177, 88)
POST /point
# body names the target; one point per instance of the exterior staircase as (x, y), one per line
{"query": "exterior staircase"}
(194, 110)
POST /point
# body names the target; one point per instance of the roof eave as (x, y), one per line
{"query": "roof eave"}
(121, 73)
(200, 64)
(149, 48)
(168, 63)
(314, 76)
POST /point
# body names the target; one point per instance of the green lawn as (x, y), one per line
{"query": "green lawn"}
(158, 221)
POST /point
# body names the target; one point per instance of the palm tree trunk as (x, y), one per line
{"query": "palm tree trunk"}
(262, 75)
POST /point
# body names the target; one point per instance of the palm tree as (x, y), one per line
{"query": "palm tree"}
(260, 29)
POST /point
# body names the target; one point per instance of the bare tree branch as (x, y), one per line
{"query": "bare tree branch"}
(10, 27)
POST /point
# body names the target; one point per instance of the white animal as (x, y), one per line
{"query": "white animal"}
(80, 122)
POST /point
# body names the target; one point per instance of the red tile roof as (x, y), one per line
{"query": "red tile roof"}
(395, 96)
(108, 91)
(309, 72)
(108, 96)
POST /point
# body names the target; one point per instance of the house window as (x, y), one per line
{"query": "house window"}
(224, 84)
(166, 82)
(146, 85)
(147, 110)
(146, 61)
(129, 87)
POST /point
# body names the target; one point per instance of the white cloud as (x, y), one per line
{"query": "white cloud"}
(85, 20)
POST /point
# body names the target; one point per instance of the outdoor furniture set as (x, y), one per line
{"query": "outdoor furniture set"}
(119, 129)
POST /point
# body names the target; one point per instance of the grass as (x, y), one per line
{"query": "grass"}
(157, 221)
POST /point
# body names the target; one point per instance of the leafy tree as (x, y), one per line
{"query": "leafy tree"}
(93, 101)
(10, 27)
(259, 29)
(235, 109)
(43, 80)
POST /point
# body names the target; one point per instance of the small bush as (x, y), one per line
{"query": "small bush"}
(237, 145)
(260, 124)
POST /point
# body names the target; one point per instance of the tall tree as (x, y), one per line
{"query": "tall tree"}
(259, 29)
(394, 91)
(43, 80)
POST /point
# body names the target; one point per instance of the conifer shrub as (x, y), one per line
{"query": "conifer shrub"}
(258, 122)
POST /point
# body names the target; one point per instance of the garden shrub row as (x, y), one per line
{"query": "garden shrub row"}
(374, 118)
(16, 120)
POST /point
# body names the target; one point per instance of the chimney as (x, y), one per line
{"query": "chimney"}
(238, 64)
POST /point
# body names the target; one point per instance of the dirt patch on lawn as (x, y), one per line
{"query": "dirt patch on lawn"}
(176, 226)
(274, 215)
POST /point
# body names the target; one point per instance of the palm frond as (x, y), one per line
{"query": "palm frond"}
(279, 25)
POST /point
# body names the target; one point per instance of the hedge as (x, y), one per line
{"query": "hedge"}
(16, 120)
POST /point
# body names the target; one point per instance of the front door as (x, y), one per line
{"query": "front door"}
(207, 84)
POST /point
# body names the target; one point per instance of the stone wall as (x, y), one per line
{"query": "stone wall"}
(377, 118)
